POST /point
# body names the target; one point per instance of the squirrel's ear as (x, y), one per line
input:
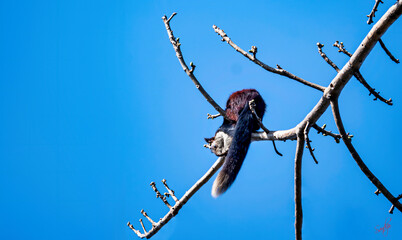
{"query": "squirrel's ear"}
(209, 140)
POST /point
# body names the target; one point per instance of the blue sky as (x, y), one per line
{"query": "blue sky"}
(94, 106)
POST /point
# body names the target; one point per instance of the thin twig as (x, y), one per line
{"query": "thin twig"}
(171, 192)
(327, 133)
(308, 141)
(370, 20)
(341, 48)
(358, 160)
(148, 217)
(252, 105)
(372, 91)
(190, 72)
(372, 13)
(253, 58)
(142, 225)
(387, 51)
(324, 56)
(298, 186)
(159, 195)
(139, 234)
(356, 74)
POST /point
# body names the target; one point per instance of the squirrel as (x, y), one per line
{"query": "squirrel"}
(233, 137)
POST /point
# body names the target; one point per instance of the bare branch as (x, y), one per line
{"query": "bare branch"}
(159, 195)
(372, 13)
(190, 72)
(135, 230)
(170, 18)
(308, 141)
(147, 217)
(356, 74)
(358, 160)
(330, 93)
(324, 56)
(370, 20)
(252, 108)
(142, 225)
(156, 226)
(387, 51)
(171, 192)
(253, 58)
(372, 91)
(361, 79)
(281, 135)
(298, 186)
(327, 133)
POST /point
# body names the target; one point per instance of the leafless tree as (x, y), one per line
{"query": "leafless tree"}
(300, 132)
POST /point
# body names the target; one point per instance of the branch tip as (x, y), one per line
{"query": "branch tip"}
(372, 13)
(388, 52)
(170, 18)
(324, 56)
(253, 50)
(308, 141)
(176, 46)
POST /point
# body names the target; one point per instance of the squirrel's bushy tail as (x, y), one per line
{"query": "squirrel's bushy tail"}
(237, 152)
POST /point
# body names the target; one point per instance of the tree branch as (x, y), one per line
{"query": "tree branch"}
(190, 72)
(356, 74)
(298, 186)
(370, 20)
(253, 58)
(358, 160)
(156, 226)
(281, 135)
(372, 13)
(341, 48)
(388, 52)
(327, 133)
(308, 141)
(330, 93)
(324, 56)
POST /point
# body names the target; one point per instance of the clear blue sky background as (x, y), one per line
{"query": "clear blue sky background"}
(94, 106)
